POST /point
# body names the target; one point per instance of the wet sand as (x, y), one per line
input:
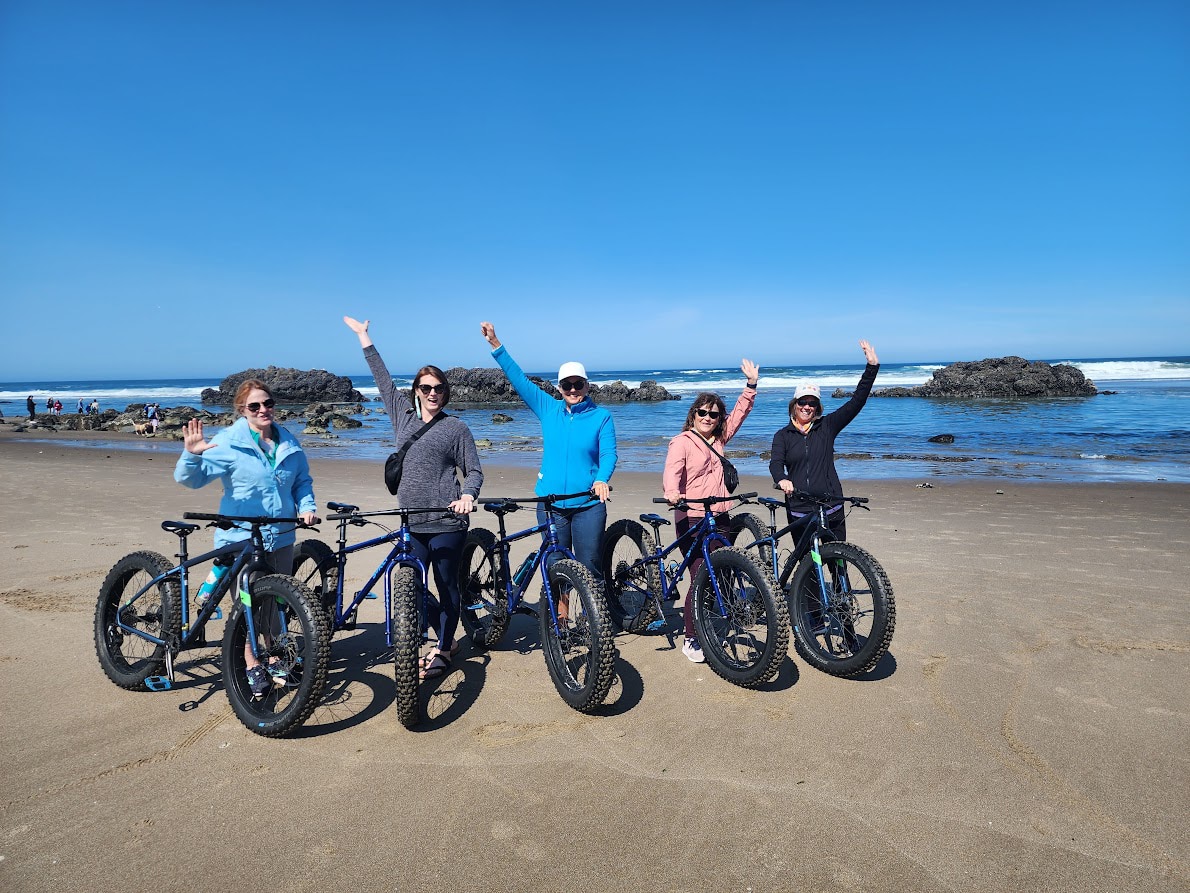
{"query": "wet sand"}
(1028, 730)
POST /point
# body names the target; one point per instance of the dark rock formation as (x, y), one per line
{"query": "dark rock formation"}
(289, 386)
(486, 385)
(1006, 377)
(500, 418)
(942, 438)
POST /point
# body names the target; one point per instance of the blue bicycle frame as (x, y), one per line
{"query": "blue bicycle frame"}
(550, 550)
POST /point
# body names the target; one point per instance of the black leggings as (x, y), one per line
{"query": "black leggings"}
(442, 551)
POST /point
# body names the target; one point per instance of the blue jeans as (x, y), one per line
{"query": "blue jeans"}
(581, 531)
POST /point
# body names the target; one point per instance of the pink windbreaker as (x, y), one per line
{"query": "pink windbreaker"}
(693, 470)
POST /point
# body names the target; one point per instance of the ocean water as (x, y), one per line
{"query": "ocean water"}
(1141, 433)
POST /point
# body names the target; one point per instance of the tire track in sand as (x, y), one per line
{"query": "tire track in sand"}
(161, 756)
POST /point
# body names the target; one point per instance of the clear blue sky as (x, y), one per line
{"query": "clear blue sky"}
(191, 188)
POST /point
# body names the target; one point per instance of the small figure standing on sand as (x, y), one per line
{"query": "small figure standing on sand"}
(57, 407)
(94, 410)
(32, 407)
(695, 467)
(152, 411)
(578, 452)
(49, 405)
(439, 449)
(264, 473)
(804, 450)
(81, 407)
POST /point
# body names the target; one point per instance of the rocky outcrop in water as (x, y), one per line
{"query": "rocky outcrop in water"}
(288, 386)
(487, 385)
(1010, 378)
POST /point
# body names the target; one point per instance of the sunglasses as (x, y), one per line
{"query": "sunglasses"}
(572, 384)
(704, 413)
(807, 401)
(432, 388)
(268, 404)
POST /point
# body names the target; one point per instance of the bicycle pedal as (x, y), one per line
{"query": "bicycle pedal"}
(158, 683)
(371, 595)
(217, 614)
(655, 627)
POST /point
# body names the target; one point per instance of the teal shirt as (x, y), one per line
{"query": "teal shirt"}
(579, 442)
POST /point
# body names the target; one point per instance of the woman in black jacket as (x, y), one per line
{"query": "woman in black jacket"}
(804, 450)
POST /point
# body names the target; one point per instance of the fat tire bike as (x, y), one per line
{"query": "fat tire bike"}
(322, 570)
(742, 625)
(145, 618)
(841, 601)
(576, 634)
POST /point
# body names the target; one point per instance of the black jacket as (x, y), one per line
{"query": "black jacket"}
(808, 460)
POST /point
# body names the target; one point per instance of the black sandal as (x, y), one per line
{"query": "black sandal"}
(436, 667)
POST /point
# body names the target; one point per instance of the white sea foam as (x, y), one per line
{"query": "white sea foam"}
(116, 396)
(1132, 370)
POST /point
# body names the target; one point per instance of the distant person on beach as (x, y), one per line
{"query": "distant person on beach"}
(32, 407)
(440, 449)
(695, 466)
(49, 405)
(152, 412)
(57, 407)
(578, 453)
(81, 407)
(94, 410)
(264, 473)
(803, 455)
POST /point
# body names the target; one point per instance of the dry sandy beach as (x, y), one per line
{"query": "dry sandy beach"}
(1028, 731)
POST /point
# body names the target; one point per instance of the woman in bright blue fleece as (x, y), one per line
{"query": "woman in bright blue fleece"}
(579, 451)
(264, 474)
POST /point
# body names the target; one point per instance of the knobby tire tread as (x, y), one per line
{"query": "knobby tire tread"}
(165, 623)
(884, 612)
(312, 625)
(585, 695)
(623, 611)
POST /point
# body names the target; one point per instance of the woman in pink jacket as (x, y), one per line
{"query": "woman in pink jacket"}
(693, 469)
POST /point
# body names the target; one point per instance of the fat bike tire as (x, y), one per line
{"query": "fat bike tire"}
(126, 658)
(744, 633)
(747, 529)
(294, 634)
(484, 611)
(315, 567)
(406, 626)
(632, 585)
(579, 652)
(851, 636)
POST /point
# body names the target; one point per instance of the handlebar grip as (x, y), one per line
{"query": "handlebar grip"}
(660, 499)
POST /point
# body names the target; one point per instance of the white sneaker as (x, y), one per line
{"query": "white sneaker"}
(693, 651)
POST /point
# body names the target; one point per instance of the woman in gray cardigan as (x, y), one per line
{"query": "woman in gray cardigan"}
(430, 477)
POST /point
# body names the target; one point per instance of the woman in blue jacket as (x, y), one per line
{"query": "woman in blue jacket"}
(578, 454)
(264, 473)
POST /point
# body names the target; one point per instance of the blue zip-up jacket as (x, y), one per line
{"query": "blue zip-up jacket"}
(250, 486)
(579, 443)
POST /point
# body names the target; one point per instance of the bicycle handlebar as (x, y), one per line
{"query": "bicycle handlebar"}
(229, 521)
(549, 498)
(858, 501)
(706, 501)
(341, 516)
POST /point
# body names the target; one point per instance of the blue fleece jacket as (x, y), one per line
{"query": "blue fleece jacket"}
(250, 486)
(579, 442)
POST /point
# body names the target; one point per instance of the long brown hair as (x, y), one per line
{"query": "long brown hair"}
(706, 398)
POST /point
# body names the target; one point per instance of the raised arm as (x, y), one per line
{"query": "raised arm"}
(395, 400)
(535, 398)
(744, 403)
(361, 329)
